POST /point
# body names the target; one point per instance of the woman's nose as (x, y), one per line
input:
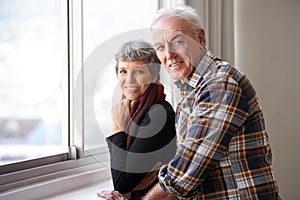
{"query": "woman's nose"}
(130, 77)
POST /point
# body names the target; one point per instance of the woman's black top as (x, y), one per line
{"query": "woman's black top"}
(155, 142)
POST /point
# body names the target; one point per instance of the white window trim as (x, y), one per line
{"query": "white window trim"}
(170, 3)
(76, 76)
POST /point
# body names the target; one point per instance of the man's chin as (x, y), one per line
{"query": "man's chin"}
(175, 76)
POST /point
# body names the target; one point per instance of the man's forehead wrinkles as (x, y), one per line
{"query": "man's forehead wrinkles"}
(167, 35)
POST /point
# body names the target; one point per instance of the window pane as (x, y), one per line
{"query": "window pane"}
(33, 79)
(104, 24)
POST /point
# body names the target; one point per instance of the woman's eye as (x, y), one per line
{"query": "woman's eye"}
(122, 71)
(160, 48)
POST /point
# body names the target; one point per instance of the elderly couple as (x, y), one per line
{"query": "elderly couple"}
(218, 149)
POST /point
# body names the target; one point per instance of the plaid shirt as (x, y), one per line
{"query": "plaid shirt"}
(223, 147)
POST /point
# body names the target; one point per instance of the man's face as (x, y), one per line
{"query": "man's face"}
(179, 47)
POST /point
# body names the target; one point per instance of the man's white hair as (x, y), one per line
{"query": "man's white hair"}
(185, 12)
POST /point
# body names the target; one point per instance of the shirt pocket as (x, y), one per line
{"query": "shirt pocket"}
(182, 122)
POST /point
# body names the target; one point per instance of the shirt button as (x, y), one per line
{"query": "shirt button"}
(234, 168)
(268, 158)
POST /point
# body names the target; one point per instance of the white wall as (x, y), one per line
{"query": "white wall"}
(267, 49)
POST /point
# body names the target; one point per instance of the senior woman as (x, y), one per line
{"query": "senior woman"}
(143, 123)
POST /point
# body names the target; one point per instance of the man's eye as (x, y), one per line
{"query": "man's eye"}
(139, 71)
(177, 42)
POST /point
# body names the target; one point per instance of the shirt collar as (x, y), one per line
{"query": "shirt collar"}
(198, 72)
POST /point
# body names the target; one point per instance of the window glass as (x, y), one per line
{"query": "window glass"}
(106, 26)
(33, 79)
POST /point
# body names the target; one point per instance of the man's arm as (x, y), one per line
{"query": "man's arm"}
(207, 130)
(157, 193)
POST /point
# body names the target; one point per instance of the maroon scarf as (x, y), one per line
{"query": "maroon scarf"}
(152, 95)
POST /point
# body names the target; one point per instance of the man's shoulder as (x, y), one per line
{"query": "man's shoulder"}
(221, 68)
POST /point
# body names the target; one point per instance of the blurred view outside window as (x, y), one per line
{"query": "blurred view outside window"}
(102, 23)
(33, 79)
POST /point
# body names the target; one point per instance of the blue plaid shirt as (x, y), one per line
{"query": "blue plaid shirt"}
(223, 147)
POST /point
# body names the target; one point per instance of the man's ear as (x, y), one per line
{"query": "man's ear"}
(201, 36)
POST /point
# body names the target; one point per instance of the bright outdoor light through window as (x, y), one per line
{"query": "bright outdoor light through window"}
(33, 79)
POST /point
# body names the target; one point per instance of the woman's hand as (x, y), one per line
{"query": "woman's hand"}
(111, 195)
(120, 116)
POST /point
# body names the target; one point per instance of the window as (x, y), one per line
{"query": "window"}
(33, 79)
(45, 47)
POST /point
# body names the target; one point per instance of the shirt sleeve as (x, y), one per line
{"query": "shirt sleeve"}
(151, 145)
(205, 129)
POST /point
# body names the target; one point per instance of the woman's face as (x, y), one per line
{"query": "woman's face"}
(134, 78)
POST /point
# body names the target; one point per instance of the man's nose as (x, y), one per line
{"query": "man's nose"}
(170, 52)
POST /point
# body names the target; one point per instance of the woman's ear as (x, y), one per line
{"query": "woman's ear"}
(155, 78)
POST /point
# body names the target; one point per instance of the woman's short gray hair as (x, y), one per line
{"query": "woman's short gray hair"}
(139, 50)
(185, 12)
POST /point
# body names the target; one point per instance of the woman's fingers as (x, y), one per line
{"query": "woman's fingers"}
(111, 195)
(120, 115)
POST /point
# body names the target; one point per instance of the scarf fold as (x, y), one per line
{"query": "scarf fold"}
(152, 95)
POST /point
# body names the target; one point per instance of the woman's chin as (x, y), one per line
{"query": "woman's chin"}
(131, 97)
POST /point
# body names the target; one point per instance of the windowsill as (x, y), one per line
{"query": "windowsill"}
(85, 184)
(87, 192)
(62, 180)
